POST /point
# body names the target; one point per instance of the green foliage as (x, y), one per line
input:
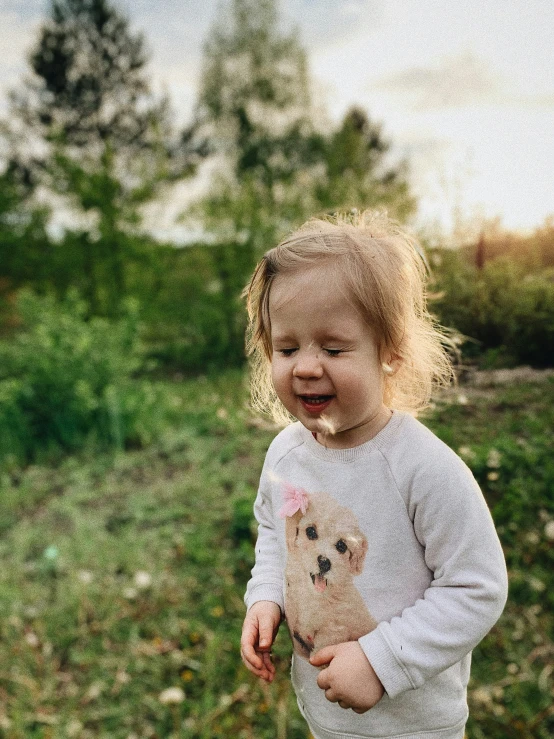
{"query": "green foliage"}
(505, 437)
(65, 381)
(122, 576)
(106, 142)
(505, 311)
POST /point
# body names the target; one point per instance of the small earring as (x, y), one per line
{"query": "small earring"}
(387, 369)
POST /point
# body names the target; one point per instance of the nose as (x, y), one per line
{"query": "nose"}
(307, 365)
(324, 564)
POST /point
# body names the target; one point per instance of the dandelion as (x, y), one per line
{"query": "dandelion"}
(95, 690)
(217, 611)
(328, 427)
(549, 530)
(143, 580)
(466, 452)
(482, 695)
(73, 728)
(493, 459)
(170, 696)
(187, 676)
(123, 677)
(32, 639)
(532, 538)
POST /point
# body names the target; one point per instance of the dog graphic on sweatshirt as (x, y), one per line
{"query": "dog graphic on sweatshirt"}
(325, 551)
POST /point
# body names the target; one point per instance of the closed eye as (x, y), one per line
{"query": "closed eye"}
(333, 352)
(287, 352)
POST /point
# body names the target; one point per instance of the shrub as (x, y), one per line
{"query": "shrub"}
(65, 380)
(507, 314)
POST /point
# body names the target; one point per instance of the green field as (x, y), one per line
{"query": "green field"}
(122, 576)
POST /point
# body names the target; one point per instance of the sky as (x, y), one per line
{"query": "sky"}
(464, 90)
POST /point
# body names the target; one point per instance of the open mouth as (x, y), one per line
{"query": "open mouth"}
(320, 582)
(315, 403)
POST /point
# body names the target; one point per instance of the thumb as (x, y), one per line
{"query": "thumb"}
(323, 656)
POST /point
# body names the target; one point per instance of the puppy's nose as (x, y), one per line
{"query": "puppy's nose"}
(324, 564)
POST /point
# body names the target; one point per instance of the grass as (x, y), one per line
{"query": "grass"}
(121, 575)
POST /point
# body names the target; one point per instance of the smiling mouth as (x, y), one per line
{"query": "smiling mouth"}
(320, 582)
(315, 403)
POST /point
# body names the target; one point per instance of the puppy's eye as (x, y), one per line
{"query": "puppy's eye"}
(340, 546)
(311, 532)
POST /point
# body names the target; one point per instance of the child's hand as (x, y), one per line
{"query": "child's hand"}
(258, 634)
(349, 679)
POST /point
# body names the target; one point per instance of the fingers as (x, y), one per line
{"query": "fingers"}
(323, 656)
(323, 680)
(266, 671)
(266, 627)
(248, 642)
(256, 658)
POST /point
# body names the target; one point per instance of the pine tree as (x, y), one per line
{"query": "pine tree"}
(95, 134)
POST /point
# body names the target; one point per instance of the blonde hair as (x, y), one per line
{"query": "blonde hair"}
(385, 272)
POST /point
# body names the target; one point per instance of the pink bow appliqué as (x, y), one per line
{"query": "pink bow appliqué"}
(296, 499)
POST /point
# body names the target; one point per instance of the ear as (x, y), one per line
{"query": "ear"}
(357, 544)
(291, 528)
(391, 364)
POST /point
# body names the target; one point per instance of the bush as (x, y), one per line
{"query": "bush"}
(65, 380)
(507, 314)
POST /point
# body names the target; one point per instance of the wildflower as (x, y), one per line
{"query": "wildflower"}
(32, 639)
(462, 399)
(187, 676)
(85, 576)
(493, 459)
(171, 696)
(217, 611)
(549, 530)
(222, 414)
(143, 580)
(493, 476)
(466, 452)
(130, 593)
(532, 538)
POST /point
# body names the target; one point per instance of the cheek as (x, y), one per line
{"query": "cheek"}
(280, 378)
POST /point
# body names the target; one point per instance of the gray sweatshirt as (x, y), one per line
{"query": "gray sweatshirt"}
(390, 543)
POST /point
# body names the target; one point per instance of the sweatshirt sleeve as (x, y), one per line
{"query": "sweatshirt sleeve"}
(469, 587)
(266, 582)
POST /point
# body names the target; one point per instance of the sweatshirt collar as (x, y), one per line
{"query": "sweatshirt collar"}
(353, 453)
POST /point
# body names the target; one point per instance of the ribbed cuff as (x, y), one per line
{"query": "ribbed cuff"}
(389, 669)
(274, 593)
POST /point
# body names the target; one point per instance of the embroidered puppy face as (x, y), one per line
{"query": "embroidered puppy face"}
(326, 542)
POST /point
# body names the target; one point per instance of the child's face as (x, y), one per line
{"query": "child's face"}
(325, 365)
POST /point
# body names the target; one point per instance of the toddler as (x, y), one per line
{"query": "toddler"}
(375, 543)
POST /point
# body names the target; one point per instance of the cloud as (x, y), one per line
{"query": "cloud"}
(455, 82)
(325, 22)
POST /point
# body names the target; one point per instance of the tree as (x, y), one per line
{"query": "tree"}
(278, 163)
(356, 173)
(97, 135)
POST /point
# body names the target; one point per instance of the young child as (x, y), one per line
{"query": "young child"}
(375, 543)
